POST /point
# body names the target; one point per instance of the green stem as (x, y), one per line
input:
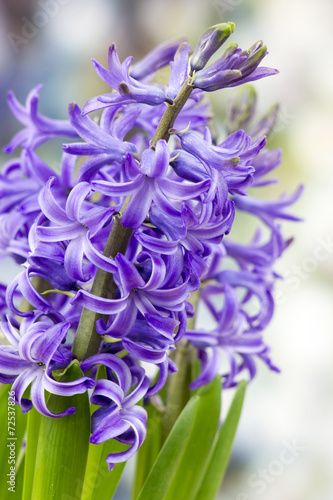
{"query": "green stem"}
(171, 113)
(178, 392)
(87, 340)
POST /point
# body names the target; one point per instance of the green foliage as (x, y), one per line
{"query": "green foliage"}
(222, 450)
(62, 448)
(178, 470)
(9, 442)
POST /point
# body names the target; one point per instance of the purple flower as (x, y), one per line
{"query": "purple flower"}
(202, 225)
(269, 211)
(260, 255)
(79, 221)
(233, 156)
(119, 417)
(234, 67)
(150, 184)
(265, 162)
(98, 140)
(127, 88)
(235, 342)
(38, 128)
(179, 69)
(14, 235)
(34, 352)
(150, 296)
(156, 59)
(21, 180)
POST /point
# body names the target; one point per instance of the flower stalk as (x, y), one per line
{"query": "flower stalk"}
(87, 340)
(170, 115)
(178, 392)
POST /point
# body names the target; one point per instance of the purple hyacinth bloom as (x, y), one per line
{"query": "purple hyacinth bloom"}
(150, 296)
(32, 296)
(34, 352)
(119, 417)
(3, 306)
(177, 200)
(38, 128)
(149, 184)
(98, 140)
(179, 69)
(14, 235)
(234, 67)
(79, 221)
(237, 335)
(237, 151)
(21, 180)
(256, 253)
(202, 225)
(15, 187)
(253, 285)
(264, 163)
(128, 89)
(156, 59)
(265, 126)
(269, 211)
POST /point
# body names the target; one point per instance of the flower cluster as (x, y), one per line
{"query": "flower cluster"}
(131, 232)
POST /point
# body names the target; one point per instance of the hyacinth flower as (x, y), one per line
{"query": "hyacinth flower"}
(232, 346)
(38, 128)
(202, 226)
(128, 89)
(21, 180)
(34, 352)
(150, 184)
(119, 417)
(121, 247)
(269, 211)
(149, 297)
(75, 223)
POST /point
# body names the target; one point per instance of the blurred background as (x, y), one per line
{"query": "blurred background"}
(52, 42)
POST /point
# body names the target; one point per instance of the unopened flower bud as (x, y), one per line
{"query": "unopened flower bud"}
(255, 55)
(209, 42)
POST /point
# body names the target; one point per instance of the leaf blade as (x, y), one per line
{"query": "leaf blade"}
(19, 427)
(220, 457)
(178, 474)
(190, 473)
(168, 459)
(149, 450)
(63, 445)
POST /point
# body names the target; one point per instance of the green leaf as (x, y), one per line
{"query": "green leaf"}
(191, 469)
(19, 480)
(179, 468)
(63, 445)
(148, 451)
(34, 419)
(220, 457)
(170, 456)
(13, 421)
(99, 482)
